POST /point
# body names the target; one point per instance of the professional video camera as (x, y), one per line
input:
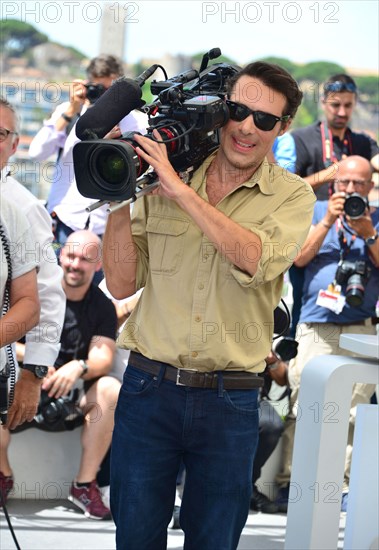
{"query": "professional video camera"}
(355, 276)
(187, 113)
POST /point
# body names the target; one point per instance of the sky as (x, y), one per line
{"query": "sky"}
(342, 31)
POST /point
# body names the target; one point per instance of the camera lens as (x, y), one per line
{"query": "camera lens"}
(111, 166)
(113, 169)
(355, 206)
(355, 290)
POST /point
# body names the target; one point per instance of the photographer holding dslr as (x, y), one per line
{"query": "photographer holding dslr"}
(341, 286)
(211, 256)
(65, 204)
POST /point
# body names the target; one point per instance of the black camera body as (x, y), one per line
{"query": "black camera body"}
(59, 414)
(94, 91)
(355, 206)
(354, 275)
(188, 113)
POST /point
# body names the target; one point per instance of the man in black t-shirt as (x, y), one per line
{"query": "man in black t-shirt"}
(87, 353)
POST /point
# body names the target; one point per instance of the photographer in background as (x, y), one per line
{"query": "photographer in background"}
(341, 259)
(65, 204)
(211, 256)
(86, 353)
(321, 146)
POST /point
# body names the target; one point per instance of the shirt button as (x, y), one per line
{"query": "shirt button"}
(205, 256)
(194, 354)
(197, 318)
(200, 286)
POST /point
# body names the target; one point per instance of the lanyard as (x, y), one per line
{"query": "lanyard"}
(345, 247)
(328, 155)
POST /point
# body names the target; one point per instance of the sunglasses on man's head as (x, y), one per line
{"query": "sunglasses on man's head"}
(263, 121)
(339, 86)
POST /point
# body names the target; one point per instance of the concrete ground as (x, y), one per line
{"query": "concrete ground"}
(55, 525)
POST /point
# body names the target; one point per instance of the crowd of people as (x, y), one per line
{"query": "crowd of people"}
(206, 262)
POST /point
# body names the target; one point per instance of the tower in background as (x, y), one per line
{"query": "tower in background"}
(112, 38)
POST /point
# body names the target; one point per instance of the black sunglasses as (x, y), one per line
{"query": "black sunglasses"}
(263, 121)
(339, 86)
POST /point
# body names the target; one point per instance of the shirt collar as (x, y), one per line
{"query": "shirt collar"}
(263, 176)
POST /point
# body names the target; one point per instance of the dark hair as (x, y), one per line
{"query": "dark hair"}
(105, 65)
(274, 77)
(339, 83)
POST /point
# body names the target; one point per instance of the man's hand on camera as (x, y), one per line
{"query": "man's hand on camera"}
(335, 207)
(77, 96)
(155, 154)
(26, 398)
(362, 226)
(115, 133)
(63, 379)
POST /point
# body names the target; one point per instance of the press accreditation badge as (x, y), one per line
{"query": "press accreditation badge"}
(331, 299)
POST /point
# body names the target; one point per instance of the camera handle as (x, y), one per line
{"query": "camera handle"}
(149, 181)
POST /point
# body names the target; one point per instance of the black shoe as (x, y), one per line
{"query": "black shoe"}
(260, 503)
(174, 523)
(282, 499)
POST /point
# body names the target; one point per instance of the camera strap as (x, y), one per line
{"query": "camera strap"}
(328, 155)
(9, 370)
(345, 247)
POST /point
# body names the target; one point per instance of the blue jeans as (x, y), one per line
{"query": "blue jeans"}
(159, 424)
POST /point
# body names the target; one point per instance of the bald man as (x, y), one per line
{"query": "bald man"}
(338, 297)
(86, 353)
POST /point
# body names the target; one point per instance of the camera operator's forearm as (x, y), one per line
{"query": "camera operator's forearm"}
(312, 244)
(321, 178)
(120, 255)
(230, 239)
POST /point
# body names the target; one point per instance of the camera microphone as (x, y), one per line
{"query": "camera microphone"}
(118, 101)
(141, 79)
(212, 54)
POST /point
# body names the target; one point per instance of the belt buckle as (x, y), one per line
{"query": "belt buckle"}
(178, 382)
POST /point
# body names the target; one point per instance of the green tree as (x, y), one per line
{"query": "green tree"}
(282, 62)
(16, 37)
(317, 71)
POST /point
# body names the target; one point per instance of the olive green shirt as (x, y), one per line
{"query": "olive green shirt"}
(198, 310)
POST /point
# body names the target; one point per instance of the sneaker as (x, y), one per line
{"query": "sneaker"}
(260, 503)
(345, 497)
(89, 500)
(174, 523)
(282, 499)
(6, 485)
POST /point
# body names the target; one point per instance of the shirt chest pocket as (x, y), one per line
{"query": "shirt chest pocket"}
(166, 238)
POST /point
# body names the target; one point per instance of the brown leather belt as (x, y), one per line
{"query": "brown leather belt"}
(232, 380)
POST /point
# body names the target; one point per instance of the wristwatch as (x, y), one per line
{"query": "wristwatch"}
(39, 371)
(371, 240)
(84, 366)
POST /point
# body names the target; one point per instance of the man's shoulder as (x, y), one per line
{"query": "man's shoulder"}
(16, 192)
(306, 131)
(361, 137)
(32, 207)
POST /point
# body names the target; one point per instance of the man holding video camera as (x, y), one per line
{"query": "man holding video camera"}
(211, 257)
(341, 285)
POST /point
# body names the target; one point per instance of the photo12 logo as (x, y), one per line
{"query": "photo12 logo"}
(270, 12)
(71, 11)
